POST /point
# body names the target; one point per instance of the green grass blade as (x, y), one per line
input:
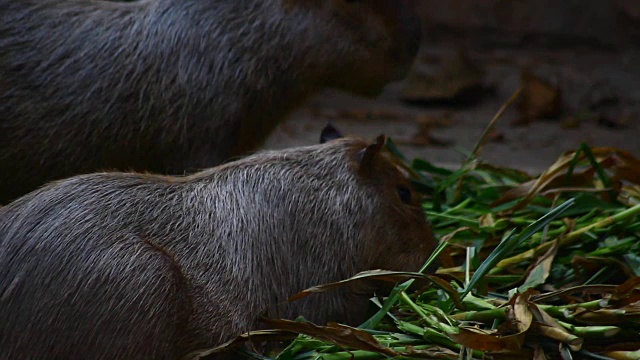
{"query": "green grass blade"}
(511, 241)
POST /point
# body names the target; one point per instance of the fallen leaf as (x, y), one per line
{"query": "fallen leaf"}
(479, 340)
(574, 342)
(459, 80)
(256, 336)
(383, 275)
(539, 271)
(622, 163)
(341, 335)
(540, 98)
(521, 313)
(425, 124)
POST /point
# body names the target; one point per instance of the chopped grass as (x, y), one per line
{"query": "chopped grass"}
(531, 267)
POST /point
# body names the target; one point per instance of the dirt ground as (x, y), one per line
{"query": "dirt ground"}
(607, 83)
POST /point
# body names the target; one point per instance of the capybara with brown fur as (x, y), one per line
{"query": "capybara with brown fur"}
(169, 86)
(139, 266)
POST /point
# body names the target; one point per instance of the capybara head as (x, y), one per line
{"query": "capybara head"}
(395, 233)
(379, 40)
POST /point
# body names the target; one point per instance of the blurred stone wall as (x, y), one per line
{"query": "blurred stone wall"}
(606, 24)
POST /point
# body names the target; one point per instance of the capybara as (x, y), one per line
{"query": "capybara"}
(141, 266)
(174, 86)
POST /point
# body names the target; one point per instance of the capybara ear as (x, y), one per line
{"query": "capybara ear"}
(367, 155)
(329, 133)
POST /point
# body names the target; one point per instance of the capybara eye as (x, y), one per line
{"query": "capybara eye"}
(404, 193)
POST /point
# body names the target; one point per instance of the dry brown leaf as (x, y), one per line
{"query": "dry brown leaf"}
(434, 352)
(621, 355)
(600, 317)
(540, 98)
(601, 290)
(459, 78)
(571, 122)
(383, 275)
(593, 264)
(626, 167)
(561, 335)
(474, 339)
(542, 317)
(341, 335)
(627, 292)
(255, 336)
(630, 195)
(556, 174)
(486, 220)
(538, 353)
(495, 136)
(554, 183)
(539, 271)
(425, 124)
(522, 314)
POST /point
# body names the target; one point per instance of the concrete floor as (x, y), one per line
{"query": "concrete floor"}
(530, 148)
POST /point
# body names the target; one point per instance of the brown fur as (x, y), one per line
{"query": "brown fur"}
(170, 86)
(135, 266)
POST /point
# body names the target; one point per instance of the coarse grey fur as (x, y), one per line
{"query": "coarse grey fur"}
(170, 86)
(138, 266)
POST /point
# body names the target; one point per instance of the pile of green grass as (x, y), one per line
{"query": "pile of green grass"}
(544, 267)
